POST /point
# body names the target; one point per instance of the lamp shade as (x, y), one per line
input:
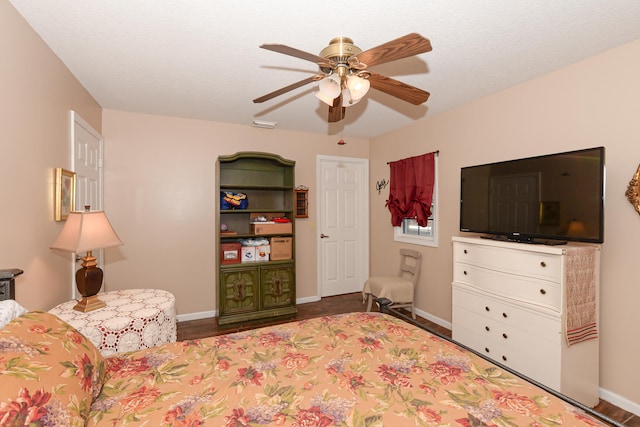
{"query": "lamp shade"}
(358, 87)
(347, 100)
(330, 86)
(86, 231)
(325, 99)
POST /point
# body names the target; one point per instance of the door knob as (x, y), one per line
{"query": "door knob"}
(323, 236)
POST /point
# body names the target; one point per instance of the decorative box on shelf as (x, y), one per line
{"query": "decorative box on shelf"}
(248, 253)
(271, 228)
(274, 223)
(262, 252)
(280, 248)
(230, 253)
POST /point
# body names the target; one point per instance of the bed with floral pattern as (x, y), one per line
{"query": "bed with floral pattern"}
(358, 369)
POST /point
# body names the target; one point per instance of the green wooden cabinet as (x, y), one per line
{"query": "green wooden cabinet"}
(256, 289)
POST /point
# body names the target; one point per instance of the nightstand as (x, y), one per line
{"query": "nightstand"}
(133, 319)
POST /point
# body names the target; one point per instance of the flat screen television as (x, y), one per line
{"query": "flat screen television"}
(550, 199)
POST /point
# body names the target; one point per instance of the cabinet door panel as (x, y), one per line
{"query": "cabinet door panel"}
(239, 290)
(277, 284)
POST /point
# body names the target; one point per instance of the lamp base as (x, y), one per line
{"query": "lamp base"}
(89, 304)
(89, 282)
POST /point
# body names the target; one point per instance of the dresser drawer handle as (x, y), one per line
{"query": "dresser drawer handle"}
(464, 272)
(504, 315)
(504, 358)
(505, 336)
(487, 308)
(543, 292)
(487, 349)
(465, 251)
(486, 328)
(543, 264)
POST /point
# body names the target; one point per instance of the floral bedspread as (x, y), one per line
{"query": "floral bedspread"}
(359, 369)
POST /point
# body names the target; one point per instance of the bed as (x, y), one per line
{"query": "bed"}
(357, 369)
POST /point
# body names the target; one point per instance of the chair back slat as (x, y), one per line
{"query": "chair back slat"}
(412, 269)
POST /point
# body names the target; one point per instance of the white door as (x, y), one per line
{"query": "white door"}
(86, 162)
(87, 152)
(343, 224)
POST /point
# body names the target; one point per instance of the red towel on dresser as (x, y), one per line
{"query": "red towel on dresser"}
(581, 294)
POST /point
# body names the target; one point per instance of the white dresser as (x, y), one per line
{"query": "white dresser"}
(509, 303)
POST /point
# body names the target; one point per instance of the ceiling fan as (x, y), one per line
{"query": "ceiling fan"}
(344, 77)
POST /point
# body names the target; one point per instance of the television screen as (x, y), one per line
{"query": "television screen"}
(556, 196)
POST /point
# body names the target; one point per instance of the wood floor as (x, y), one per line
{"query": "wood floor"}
(194, 329)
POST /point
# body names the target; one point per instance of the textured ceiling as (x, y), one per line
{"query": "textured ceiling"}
(200, 58)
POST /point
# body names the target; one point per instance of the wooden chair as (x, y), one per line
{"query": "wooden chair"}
(399, 289)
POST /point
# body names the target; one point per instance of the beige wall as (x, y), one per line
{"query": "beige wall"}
(592, 103)
(160, 195)
(37, 93)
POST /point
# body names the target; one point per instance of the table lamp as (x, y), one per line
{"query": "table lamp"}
(86, 231)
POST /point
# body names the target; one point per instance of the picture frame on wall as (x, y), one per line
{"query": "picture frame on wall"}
(65, 197)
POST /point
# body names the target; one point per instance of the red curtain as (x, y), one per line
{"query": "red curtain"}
(411, 189)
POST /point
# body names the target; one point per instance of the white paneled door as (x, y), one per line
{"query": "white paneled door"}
(343, 224)
(86, 161)
(87, 151)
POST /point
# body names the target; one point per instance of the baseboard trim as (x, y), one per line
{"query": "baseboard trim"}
(213, 313)
(620, 402)
(438, 321)
(307, 300)
(196, 316)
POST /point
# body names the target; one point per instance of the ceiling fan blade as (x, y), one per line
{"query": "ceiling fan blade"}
(398, 89)
(287, 89)
(403, 47)
(291, 51)
(336, 112)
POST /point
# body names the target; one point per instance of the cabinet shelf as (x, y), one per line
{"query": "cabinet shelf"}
(254, 187)
(253, 236)
(247, 211)
(257, 264)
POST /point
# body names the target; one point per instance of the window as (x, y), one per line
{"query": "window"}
(410, 232)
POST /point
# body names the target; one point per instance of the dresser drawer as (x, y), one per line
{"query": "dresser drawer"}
(540, 360)
(525, 289)
(497, 311)
(519, 262)
(501, 335)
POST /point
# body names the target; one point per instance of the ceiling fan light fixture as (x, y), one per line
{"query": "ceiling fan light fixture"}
(347, 100)
(325, 99)
(358, 87)
(330, 86)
